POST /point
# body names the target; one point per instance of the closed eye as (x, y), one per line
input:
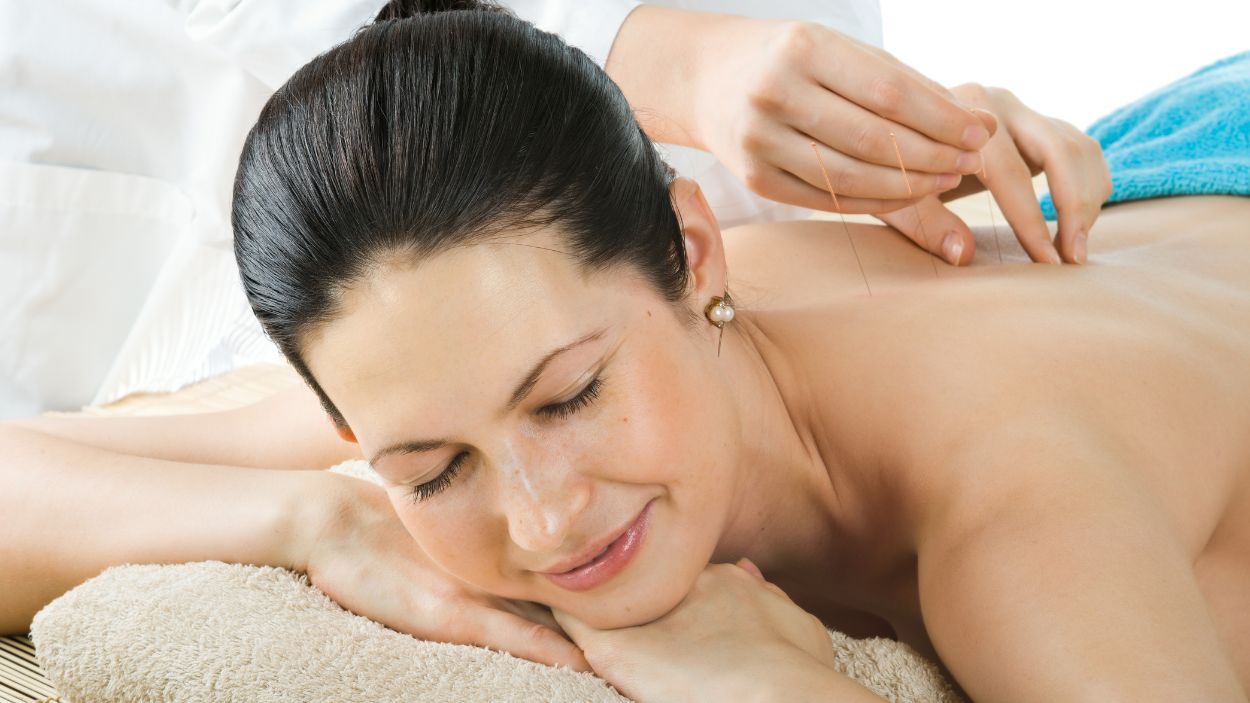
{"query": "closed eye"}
(572, 405)
(558, 410)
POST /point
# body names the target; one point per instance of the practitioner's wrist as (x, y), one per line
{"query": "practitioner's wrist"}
(659, 60)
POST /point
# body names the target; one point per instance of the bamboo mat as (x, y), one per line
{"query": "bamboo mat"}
(21, 678)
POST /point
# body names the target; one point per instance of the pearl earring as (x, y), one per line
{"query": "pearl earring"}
(718, 312)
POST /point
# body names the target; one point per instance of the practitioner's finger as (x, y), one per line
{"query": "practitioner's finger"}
(879, 84)
(1011, 183)
(783, 186)
(1078, 177)
(936, 229)
(852, 178)
(863, 137)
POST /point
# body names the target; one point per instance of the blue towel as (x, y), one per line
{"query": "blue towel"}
(1188, 138)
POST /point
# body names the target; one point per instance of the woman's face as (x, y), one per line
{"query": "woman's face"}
(632, 413)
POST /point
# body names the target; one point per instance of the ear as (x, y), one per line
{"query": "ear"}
(705, 252)
(345, 433)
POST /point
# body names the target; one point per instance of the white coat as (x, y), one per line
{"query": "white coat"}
(120, 129)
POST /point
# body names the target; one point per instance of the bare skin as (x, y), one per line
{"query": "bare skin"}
(962, 403)
(1036, 473)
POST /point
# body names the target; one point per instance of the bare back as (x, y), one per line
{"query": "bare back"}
(1147, 346)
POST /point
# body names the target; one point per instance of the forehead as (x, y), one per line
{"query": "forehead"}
(461, 327)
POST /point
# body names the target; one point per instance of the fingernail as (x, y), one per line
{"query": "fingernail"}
(1078, 248)
(968, 162)
(953, 246)
(975, 137)
(946, 181)
(1053, 256)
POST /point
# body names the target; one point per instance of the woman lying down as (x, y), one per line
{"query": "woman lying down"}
(596, 455)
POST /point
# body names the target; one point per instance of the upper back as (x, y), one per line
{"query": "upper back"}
(1146, 345)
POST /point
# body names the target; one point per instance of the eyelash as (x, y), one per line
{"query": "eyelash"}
(559, 410)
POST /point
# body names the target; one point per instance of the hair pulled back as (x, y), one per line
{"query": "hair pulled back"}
(441, 124)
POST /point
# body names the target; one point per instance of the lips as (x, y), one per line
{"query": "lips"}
(596, 570)
(596, 549)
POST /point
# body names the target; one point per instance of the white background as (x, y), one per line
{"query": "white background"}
(1064, 58)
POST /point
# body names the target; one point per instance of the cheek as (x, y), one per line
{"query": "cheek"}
(668, 424)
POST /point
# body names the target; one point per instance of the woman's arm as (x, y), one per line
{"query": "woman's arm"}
(1068, 584)
(70, 511)
(288, 430)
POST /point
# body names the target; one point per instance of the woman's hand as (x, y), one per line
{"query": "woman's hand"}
(1026, 144)
(733, 633)
(360, 555)
(771, 88)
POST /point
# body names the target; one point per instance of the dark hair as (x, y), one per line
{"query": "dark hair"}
(441, 124)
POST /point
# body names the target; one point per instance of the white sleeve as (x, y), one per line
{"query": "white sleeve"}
(271, 39)
(590, 25)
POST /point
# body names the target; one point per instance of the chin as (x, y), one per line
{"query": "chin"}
(644, 596)
(612, 614)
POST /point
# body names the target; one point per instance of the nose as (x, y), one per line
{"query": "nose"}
(543, 496)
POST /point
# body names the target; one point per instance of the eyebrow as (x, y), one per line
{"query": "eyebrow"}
(518, 394)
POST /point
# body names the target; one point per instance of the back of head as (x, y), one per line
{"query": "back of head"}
(441, 124)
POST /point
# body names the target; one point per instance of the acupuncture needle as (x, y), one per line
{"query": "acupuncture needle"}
(989, 200)
(919, 220)
(838, 206)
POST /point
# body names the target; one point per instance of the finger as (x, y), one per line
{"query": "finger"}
(879, 85)
(496, 629)
(1011, 183)
(1078, 177)
(776, 184)
(865, 136)
(849, 177)
(932, 84)
(935, 229)
(750, 567)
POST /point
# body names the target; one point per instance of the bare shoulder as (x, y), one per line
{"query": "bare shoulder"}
(1136, 360)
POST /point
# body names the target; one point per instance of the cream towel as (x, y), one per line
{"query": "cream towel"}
(210, 632)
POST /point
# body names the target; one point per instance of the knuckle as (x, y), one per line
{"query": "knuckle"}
(845, 182)
(753, 136)
(537, 634)
(998, 93)
(886, 96)
(797, 39)
(974, 93)
(768, 95)
(866, 142)
(756, 177)
(1072, 146)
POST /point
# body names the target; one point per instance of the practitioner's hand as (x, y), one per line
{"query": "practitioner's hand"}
(357, 551)
(733, 635)
(765, 90)
(1026, 143)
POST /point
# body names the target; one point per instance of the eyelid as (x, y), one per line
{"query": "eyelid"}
(588, 394)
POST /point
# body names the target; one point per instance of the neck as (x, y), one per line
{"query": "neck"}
(783, 499)
(803, 509)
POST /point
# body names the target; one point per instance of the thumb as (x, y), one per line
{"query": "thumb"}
(572, 626)
(935, 229)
